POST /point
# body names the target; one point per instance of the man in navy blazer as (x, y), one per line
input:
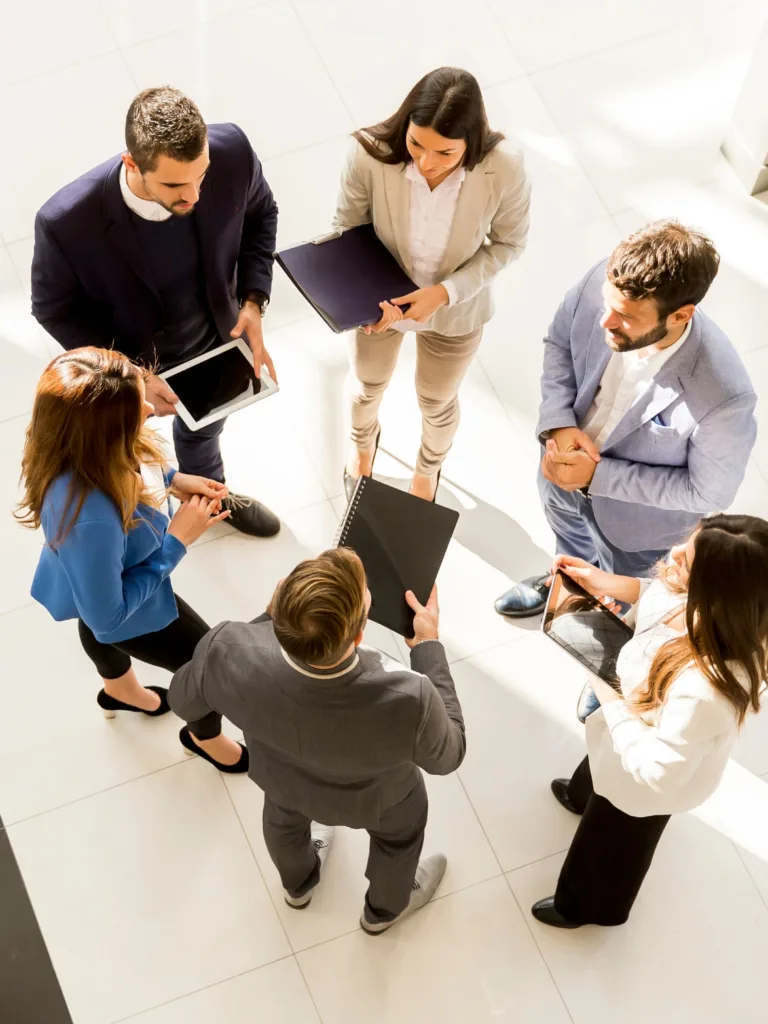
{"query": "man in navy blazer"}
(164, 253)
(647, 411)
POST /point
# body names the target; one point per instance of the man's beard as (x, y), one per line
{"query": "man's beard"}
(621, 342)
(170, 208)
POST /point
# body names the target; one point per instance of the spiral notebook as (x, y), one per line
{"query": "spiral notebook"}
(401, 541)
(345, 275)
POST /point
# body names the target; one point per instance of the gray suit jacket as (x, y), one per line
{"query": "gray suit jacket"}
(341, 749)
(680, 452)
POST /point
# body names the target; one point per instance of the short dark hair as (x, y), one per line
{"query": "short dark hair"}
(667, 262)
(447, 100)
(163, 122)
(319, 609)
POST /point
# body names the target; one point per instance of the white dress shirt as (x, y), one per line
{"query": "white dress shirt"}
(431, 219)
(624, 380)
(144, 208)
(670, 759)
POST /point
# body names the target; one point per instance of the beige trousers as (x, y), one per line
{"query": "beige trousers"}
(441, 365)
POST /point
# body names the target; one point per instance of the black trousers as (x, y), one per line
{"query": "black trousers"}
(199, 451)
(608, 859)
(168, 648)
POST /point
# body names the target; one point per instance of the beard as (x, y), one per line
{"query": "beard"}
(621, 342)
(170, 207)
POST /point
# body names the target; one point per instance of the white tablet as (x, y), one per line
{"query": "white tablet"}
(218, 383)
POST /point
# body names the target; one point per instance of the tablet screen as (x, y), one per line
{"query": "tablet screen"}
(210, 386)
(584, 627)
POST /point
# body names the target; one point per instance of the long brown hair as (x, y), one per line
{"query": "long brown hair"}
(726, 616)
(447, 100)
(87, 421)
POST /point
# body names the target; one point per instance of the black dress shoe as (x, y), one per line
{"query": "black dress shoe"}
(109, 705)
(524, 599)
(350, 482)
(545, 912)
(229, 769)
(249, 516)
(560, 789)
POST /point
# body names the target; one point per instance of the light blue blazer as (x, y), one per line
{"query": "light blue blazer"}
(680, 452)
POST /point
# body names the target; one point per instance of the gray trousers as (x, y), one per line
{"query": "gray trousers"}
(393, 853)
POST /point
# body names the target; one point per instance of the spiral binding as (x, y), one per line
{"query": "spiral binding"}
(341, 534)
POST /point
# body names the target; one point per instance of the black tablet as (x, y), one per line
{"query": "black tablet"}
(584, 627)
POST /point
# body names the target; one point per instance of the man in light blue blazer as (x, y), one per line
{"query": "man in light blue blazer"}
(647, 411)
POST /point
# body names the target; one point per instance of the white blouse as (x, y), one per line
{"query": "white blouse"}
(672, 758)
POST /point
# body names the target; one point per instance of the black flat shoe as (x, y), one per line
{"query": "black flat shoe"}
(109, 705)
(249, 516)
(350, 482)
(560, 789)
(524, 599)
(545, 912)
(229, 769)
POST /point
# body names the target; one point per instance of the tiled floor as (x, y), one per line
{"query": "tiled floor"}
(148, 871)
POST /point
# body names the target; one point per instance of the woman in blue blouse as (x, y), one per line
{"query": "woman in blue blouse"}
(96, 482)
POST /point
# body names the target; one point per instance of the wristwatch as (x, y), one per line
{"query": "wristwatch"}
(259, 298)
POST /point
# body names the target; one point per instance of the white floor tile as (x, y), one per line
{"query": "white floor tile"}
(425, 38)
(602, 103)
(46, 35)
(230, 65)
(275, 994)
(453, 829)
(22, 344)
(711, 937)
(78, 142)
(152, 893)
(467, 957)
(519, 705)
(130, 23)
(757, 364)
(561, 194)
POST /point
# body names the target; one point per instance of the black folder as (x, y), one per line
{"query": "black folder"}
(346, 276)
(401, 541)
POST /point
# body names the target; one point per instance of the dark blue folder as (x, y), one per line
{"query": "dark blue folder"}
(346, 277)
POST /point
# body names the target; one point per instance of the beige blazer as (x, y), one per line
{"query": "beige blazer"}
(489, 229)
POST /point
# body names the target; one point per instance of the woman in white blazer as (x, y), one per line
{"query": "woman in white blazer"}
(690, 675)
(450, 201)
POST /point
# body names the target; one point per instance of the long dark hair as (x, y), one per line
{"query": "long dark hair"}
(449, 102)
(726, 616)
(87, 421)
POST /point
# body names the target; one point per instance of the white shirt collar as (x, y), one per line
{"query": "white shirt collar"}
(453, 180)
(144, 208)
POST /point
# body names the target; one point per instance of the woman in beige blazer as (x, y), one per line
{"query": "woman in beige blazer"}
(450, 201)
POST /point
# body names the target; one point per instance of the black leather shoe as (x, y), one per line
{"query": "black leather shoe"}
(560, 789)
(545, 912)
(249, 516)
(109, 705)
(350, 482)
(229, 769)
(524, 599)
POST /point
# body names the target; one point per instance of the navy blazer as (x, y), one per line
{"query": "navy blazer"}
(680, 452)
(90, 283)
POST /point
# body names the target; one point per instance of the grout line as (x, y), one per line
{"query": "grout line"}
(526, 918)
(320, 57)
(749, 873)
(185, 995)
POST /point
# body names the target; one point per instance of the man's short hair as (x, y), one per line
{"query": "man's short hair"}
(319, 608)
(163, 122)
(667, 262)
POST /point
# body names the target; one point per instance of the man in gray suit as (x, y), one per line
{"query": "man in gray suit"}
(337, 733)
(647, 411)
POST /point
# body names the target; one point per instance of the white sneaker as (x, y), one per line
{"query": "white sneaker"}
(321, 840)
(428, 876)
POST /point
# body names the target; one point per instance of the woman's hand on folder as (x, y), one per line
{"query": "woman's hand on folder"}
(390, 314)
(425, 620)
(424, 302)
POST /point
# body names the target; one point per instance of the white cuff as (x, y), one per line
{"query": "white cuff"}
(453, 294)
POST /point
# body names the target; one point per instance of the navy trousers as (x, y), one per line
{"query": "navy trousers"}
(199, 451)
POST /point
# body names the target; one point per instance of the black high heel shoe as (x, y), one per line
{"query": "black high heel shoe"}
(350, 482)
(109, 705)
(191, 748)
(434, 496)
